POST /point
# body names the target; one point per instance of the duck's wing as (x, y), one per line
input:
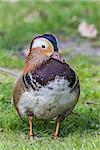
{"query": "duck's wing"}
(18, 89)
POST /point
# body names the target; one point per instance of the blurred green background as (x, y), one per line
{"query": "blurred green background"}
(20, 21)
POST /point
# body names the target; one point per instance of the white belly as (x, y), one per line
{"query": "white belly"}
(49, 101)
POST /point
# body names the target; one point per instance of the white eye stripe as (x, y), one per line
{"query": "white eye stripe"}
(40, 43)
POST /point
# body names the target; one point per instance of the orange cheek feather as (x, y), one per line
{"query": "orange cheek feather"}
(47, 52)
(28, 67)
(34, 57)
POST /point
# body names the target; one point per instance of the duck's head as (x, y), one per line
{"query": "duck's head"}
(45, 44)
(41, 49)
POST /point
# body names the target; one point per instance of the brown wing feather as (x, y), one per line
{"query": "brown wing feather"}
(18, 89)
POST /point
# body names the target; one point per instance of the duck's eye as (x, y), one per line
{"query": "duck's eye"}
(43, 46)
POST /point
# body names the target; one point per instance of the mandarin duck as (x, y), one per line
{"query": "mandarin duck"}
(48, 88)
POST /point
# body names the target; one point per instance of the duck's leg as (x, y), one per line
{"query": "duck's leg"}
(58, 123)
(30, 118)
(57, 130)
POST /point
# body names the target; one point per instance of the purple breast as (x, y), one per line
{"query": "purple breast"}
(48, 71)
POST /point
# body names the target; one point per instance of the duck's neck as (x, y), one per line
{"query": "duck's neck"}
(33, 61)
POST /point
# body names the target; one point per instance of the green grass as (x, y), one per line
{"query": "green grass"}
(19, 22)
(8, 59)
(78, 131)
